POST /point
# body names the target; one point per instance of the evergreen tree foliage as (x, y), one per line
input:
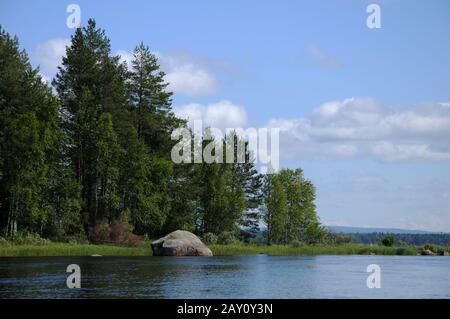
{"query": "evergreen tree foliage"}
(93, 159)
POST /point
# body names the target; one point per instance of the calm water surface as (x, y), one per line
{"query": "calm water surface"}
(256, 276)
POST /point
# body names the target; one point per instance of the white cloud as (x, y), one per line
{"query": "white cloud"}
(391, 152)
(190, 80)
(363, 127)
(354, 127)
(48, 56)
(222, 114)
(125, 56)
(186, 74)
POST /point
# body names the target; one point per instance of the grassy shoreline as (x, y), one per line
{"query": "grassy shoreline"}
(312, 250)
(65, 249)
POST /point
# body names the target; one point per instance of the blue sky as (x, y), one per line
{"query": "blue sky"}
(365, 112)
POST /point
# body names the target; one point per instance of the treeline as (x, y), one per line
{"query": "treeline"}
(441, 239)
(93, 160)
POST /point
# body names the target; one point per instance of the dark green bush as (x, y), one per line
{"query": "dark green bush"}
(364, 251)
(388, 241)
(26, 238)
(296, 243)
(401, 251)
(339, 238)
(4, 241)
(210, 239)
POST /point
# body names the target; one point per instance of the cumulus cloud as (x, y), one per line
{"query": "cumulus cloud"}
(354, 127)
(190, 80)
(186, 74)
(222, 114)
(362, 127)
(48, 56)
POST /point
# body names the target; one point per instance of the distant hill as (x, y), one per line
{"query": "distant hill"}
(368, 230)
(373, 235)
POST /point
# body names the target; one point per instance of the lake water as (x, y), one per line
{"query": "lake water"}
(258, 276)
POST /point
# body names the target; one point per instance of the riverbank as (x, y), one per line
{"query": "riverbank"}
(66, 249)
(287, 250)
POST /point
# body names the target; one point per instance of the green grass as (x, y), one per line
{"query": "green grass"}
(65, 249)
(286, 250)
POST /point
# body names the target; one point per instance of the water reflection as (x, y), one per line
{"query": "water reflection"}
(257, 276)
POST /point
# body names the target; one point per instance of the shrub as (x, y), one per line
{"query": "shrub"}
(119, 231)
(26, 238)
(296, 243)
(75, 239)
(339, 238)
(388, 241)
(210, 239)
(226, 238)
(401, 251)
(364, 251)
(4, 241)
(101, 233)
(131, 240)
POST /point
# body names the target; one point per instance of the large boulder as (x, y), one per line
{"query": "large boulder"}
(427, 252)
(180, 243)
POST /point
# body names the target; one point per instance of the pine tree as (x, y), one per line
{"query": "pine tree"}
(102, 151)
(154, 118)
(245, 185)
(154, 123)
(143, 187)
(91, 83)
(109, 156)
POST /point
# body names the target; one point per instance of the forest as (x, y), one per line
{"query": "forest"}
(87, 158)
(441, 239)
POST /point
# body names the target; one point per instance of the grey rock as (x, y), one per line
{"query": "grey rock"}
(180, 243)
(446, 253)
(427, 252)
